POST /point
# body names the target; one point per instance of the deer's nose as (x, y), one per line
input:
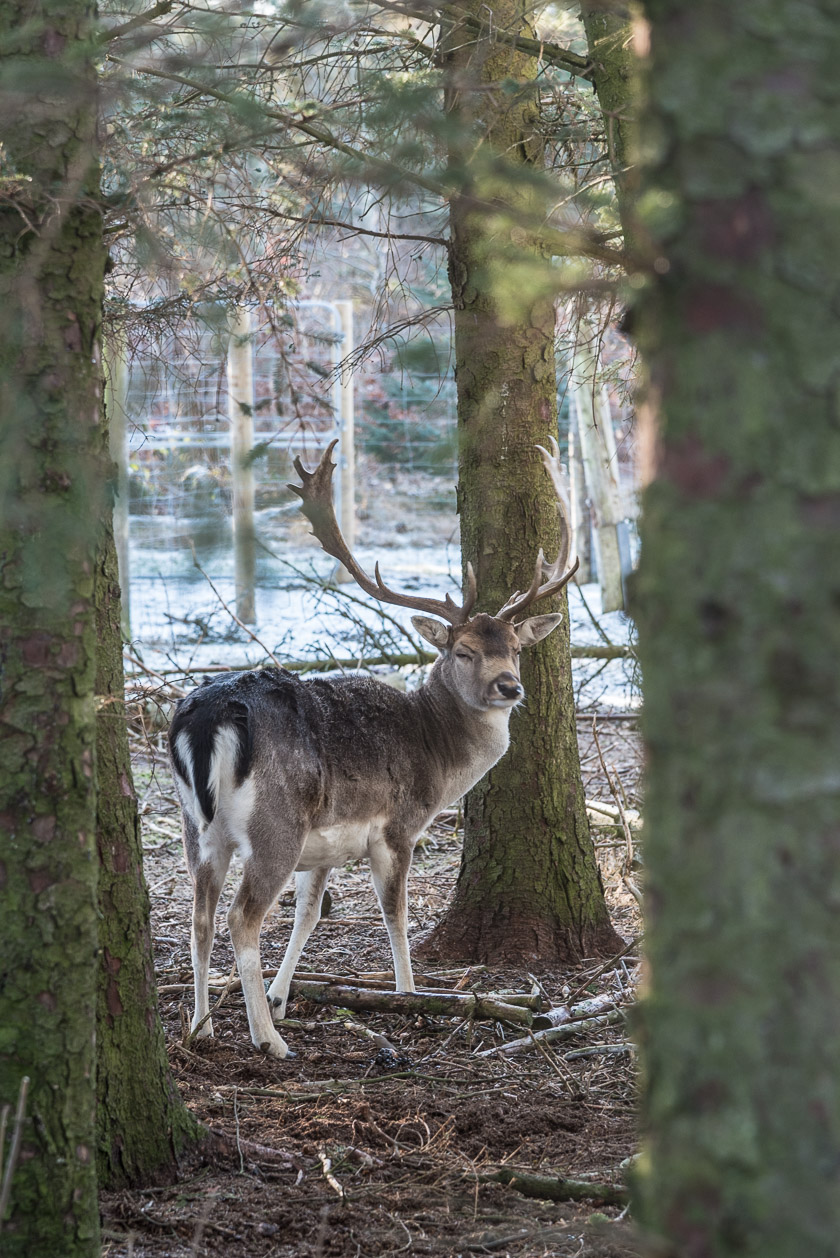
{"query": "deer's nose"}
(509, 686)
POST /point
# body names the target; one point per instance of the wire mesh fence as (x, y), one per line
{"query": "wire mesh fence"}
(178, 406)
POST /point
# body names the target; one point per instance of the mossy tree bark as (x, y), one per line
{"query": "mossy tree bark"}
(739, 632)
(142, 1123)
(51, 275)
(608, 36)
(529, 888)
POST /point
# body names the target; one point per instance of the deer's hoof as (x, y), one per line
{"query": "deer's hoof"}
(275, 1047)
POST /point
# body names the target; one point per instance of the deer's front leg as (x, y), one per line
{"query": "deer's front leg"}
(309, 892)
(390, 863)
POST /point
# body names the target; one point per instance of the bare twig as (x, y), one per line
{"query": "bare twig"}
(617, 796)
(364, 1032)
(233, 614)
(14, 1146)
(326, 1167)
(232, 984)
(238, 1142)
(634, 890)
(4, 1119)
(607, 965)
(107, 34)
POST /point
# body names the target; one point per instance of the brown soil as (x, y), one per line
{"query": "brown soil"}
(336, 1152)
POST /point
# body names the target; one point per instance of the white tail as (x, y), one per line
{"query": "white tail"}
(301, 776)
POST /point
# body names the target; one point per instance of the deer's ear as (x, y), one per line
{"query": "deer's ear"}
(434, 631)
(536, 628)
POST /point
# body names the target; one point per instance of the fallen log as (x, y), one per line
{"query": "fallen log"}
(555, 1188)
(528, 1000)
(378, 980)
(436, 1003)
(564, 1032)
(562, 1014)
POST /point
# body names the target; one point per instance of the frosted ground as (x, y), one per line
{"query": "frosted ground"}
(178, 621)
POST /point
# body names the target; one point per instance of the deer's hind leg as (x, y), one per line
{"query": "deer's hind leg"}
(270, 847)
(208, 858)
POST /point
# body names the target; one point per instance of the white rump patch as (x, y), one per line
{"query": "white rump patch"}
(234, 804)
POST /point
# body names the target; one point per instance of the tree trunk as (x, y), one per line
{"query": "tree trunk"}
(529, 888)
(608, 35)
(142, 1122)
(51, 273)
(739, 632)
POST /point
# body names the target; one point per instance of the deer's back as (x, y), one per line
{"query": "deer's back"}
(346, 749)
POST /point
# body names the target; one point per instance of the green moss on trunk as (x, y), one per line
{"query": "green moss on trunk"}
(608, 36)
(51, 270)
(738, 600)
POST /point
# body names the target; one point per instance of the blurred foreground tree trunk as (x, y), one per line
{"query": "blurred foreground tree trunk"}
(64, 774)
(739, 628)
(51, 275)
(529, 889)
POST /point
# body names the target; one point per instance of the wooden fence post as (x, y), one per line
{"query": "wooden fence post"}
(597, 446)
(240, 373)
(345, 420)
(579, 503)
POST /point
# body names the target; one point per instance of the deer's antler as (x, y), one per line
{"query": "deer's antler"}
(317, 506)
(548, 578)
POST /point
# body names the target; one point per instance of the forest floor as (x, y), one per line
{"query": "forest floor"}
(334, 1153)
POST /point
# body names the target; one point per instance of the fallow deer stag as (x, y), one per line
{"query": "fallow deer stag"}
(301, 776)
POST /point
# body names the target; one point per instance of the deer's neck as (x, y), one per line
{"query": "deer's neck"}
(465, 741)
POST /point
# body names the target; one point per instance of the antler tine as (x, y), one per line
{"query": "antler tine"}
(317, 505)
(548, 578)
(551, 463)
(519, 602)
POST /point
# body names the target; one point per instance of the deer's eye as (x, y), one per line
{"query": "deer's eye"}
(462, 655)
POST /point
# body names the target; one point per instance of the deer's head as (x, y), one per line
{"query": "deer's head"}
(479, 654)
(480, 658)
